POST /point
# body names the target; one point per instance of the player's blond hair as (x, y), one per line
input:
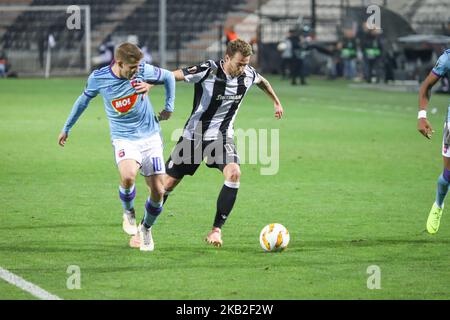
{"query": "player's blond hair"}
(239, 45)
(128, 53)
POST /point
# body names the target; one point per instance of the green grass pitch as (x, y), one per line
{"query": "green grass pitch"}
(354, 188)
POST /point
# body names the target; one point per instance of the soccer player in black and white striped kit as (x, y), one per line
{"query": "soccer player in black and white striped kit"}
(220, 87)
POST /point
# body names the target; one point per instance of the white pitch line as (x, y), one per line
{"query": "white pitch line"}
(26, 286)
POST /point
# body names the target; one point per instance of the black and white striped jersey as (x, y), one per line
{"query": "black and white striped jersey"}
(217, 98)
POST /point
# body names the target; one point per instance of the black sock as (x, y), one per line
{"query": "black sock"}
(166, 195)
(225, 203)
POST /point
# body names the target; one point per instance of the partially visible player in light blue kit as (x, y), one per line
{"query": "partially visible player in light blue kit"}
(441, 68)
(135, 130)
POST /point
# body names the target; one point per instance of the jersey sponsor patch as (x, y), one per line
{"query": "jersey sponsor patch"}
(229, 97)
(123, 105)
(192, 70)
(228, 148)
(197, 69)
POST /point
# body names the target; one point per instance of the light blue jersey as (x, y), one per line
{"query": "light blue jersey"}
(441, 68)
(442, 65)
(130, 115)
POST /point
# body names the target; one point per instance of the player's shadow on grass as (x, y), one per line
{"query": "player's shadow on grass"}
(61, 248)
(32, 226)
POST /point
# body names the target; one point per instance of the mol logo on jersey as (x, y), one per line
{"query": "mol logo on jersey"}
(123, 105)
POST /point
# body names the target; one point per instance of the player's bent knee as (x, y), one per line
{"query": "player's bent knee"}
(128, 180)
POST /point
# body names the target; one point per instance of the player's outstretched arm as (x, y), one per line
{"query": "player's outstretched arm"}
(79, 106)
(423, 125)
(179, 75)
(62, 138)
(265, 86)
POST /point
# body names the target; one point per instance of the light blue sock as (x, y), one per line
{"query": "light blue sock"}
(152, 211)
(442, 188)
(127, 197)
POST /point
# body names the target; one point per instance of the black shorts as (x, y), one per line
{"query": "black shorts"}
(187, 156)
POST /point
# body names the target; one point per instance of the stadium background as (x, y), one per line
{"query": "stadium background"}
(355, 182)
(25, 27)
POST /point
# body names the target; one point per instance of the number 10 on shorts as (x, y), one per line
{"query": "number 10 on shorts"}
(157, 164)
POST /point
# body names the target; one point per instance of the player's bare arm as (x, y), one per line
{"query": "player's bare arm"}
(62, 138)
(178, 74)
(143, 87)
(265, 86)
(423, 125)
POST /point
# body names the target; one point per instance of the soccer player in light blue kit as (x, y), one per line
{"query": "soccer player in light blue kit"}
(135, 130)
(441, 68)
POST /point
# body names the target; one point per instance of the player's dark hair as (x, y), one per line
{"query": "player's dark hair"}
(239, 45)
(128, 53)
